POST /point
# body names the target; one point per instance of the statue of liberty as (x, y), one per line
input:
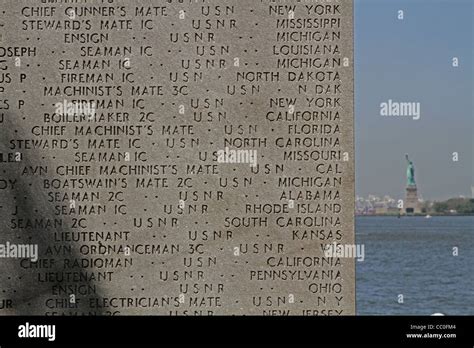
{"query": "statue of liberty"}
(410, 172)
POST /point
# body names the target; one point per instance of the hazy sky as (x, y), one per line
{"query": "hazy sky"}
(410, 60)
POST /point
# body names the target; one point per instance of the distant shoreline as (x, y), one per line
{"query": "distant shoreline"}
(452, 207)
(414, 215)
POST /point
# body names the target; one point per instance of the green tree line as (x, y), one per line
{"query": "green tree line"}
(464, 206)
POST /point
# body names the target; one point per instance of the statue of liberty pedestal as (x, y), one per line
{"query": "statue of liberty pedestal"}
(412, 205)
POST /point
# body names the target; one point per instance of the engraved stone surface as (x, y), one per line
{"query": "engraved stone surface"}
(176, 157)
